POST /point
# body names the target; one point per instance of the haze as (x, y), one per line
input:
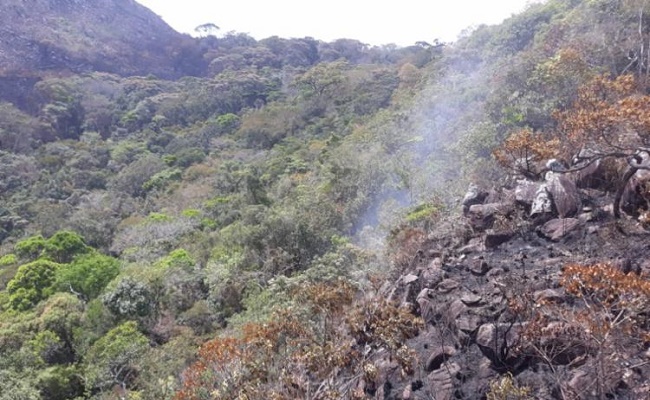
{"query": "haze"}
(402, 23)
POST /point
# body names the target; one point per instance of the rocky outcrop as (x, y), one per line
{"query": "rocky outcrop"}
(468, 294)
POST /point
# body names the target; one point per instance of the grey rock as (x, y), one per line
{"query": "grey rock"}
(542, 203)
(479, 267)
(495, 239)
(564, 194)
(481, 216)
(492, 339)
(438, 357)
(440, 381)
(556, 229)
(468, 323)
(471, 299)
(548, 295)
(473, 196)
(526, 191)
(447, 286)
(410, 278)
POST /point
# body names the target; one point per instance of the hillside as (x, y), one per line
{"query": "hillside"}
(230, 218)
(122, 37)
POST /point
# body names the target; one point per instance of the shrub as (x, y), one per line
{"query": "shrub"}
(32, 283)
(87, 274)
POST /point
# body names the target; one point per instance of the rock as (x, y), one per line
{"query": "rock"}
(439, 356)
(495, 239)
(474, 246)
(492, 273)
(427, 308)
(548, 295)
(471, 299)
(481, 216)
(455, 309)
(542, 203)
(468, 323)
(556, 229)
(441, 382)
(493, 339)
(479, 267)
(526, 191)
(435, 264)
(447, 286)
(432, 277)
(564, 194)
(591, 175)
(633, 196)
(473, 196)
(410, 278)
(582, 382)
(407, 392)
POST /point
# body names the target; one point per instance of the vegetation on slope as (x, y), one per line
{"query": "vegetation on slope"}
(236, 210)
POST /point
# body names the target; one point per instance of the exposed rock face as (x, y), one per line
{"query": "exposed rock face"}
(465, 298)
(118, 36)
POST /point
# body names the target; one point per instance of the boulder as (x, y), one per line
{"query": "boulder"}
(473, 196)
(495, 239)
(471, 299)
(481, 216)
(634, 196)
(468, 323)
(590, 176)
(542, 203)
(479, 267)
(548, 296)
(439, 356)
(558, 228)
(564, 194)
(526, 191)
(494, 339)
(447, 286)
(441, 382)
(410, 278)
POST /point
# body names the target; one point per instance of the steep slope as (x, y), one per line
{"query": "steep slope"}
(118, 36)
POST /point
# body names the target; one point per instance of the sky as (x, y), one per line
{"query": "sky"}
(374, 22)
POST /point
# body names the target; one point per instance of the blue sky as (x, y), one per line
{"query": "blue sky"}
(374, 22)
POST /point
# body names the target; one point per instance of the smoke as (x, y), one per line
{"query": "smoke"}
(437, 133)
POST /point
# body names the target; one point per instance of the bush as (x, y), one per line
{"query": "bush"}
(33, 282)
(87, 274)
(63, 246)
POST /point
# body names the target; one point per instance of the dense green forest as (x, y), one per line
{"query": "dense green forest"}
(255, 208)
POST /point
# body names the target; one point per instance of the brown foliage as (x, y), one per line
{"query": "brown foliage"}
(522, 149)
(610, 115)
(603, 320)
(320, 356)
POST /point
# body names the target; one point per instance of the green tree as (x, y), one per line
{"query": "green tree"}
(87, 274)
(130, 299)
(32, 283)
(30, 248)
(113, 359)
(63, 246)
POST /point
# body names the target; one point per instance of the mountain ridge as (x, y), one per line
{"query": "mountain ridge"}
(47, 37)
